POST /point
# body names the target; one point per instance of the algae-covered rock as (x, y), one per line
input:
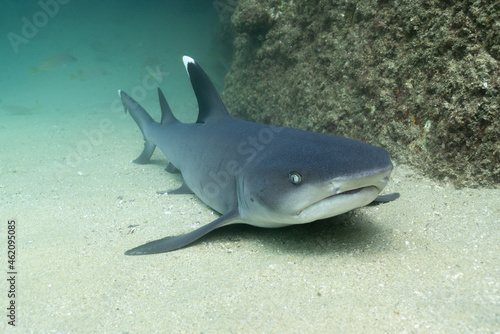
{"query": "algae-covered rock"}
(251, 18)
(420, 78)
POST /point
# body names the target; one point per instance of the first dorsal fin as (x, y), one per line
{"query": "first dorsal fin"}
(167, 117)
(210, 104)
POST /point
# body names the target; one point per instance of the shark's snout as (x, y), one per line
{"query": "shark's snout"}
(345, 194)
(353, 183)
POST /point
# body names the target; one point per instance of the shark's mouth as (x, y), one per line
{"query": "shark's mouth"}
(344, 193)
(349, 192)
(338, 203)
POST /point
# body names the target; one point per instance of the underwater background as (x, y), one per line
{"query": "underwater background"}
(72, 57)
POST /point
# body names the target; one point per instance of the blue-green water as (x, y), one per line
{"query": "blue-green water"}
(74, 55)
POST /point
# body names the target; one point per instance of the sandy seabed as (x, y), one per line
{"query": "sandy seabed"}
(428, 262)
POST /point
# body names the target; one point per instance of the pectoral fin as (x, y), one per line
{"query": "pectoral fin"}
(385, 198)
(175, 242)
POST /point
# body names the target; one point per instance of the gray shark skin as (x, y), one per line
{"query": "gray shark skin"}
(256, 174)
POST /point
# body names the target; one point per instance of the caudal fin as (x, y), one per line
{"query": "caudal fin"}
(142, 118)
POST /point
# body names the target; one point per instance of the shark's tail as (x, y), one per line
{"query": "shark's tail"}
(142, 118)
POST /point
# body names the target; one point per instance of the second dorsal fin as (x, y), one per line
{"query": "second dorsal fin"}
(167, 117)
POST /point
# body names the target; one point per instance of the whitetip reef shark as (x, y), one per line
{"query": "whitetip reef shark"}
(257, 174)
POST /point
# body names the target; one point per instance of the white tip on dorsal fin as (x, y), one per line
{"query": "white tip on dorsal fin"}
(186, 61)
(119, 92)
(210, 106)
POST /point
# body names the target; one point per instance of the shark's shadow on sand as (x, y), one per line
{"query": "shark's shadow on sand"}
(347, 233)
(336, 235)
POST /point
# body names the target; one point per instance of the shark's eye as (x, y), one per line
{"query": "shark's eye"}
(295, 177)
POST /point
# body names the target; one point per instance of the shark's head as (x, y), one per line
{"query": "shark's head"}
(323, 177)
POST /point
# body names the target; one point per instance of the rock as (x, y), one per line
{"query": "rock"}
(420, 79)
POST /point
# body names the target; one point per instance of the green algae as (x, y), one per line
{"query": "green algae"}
(419, 78)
